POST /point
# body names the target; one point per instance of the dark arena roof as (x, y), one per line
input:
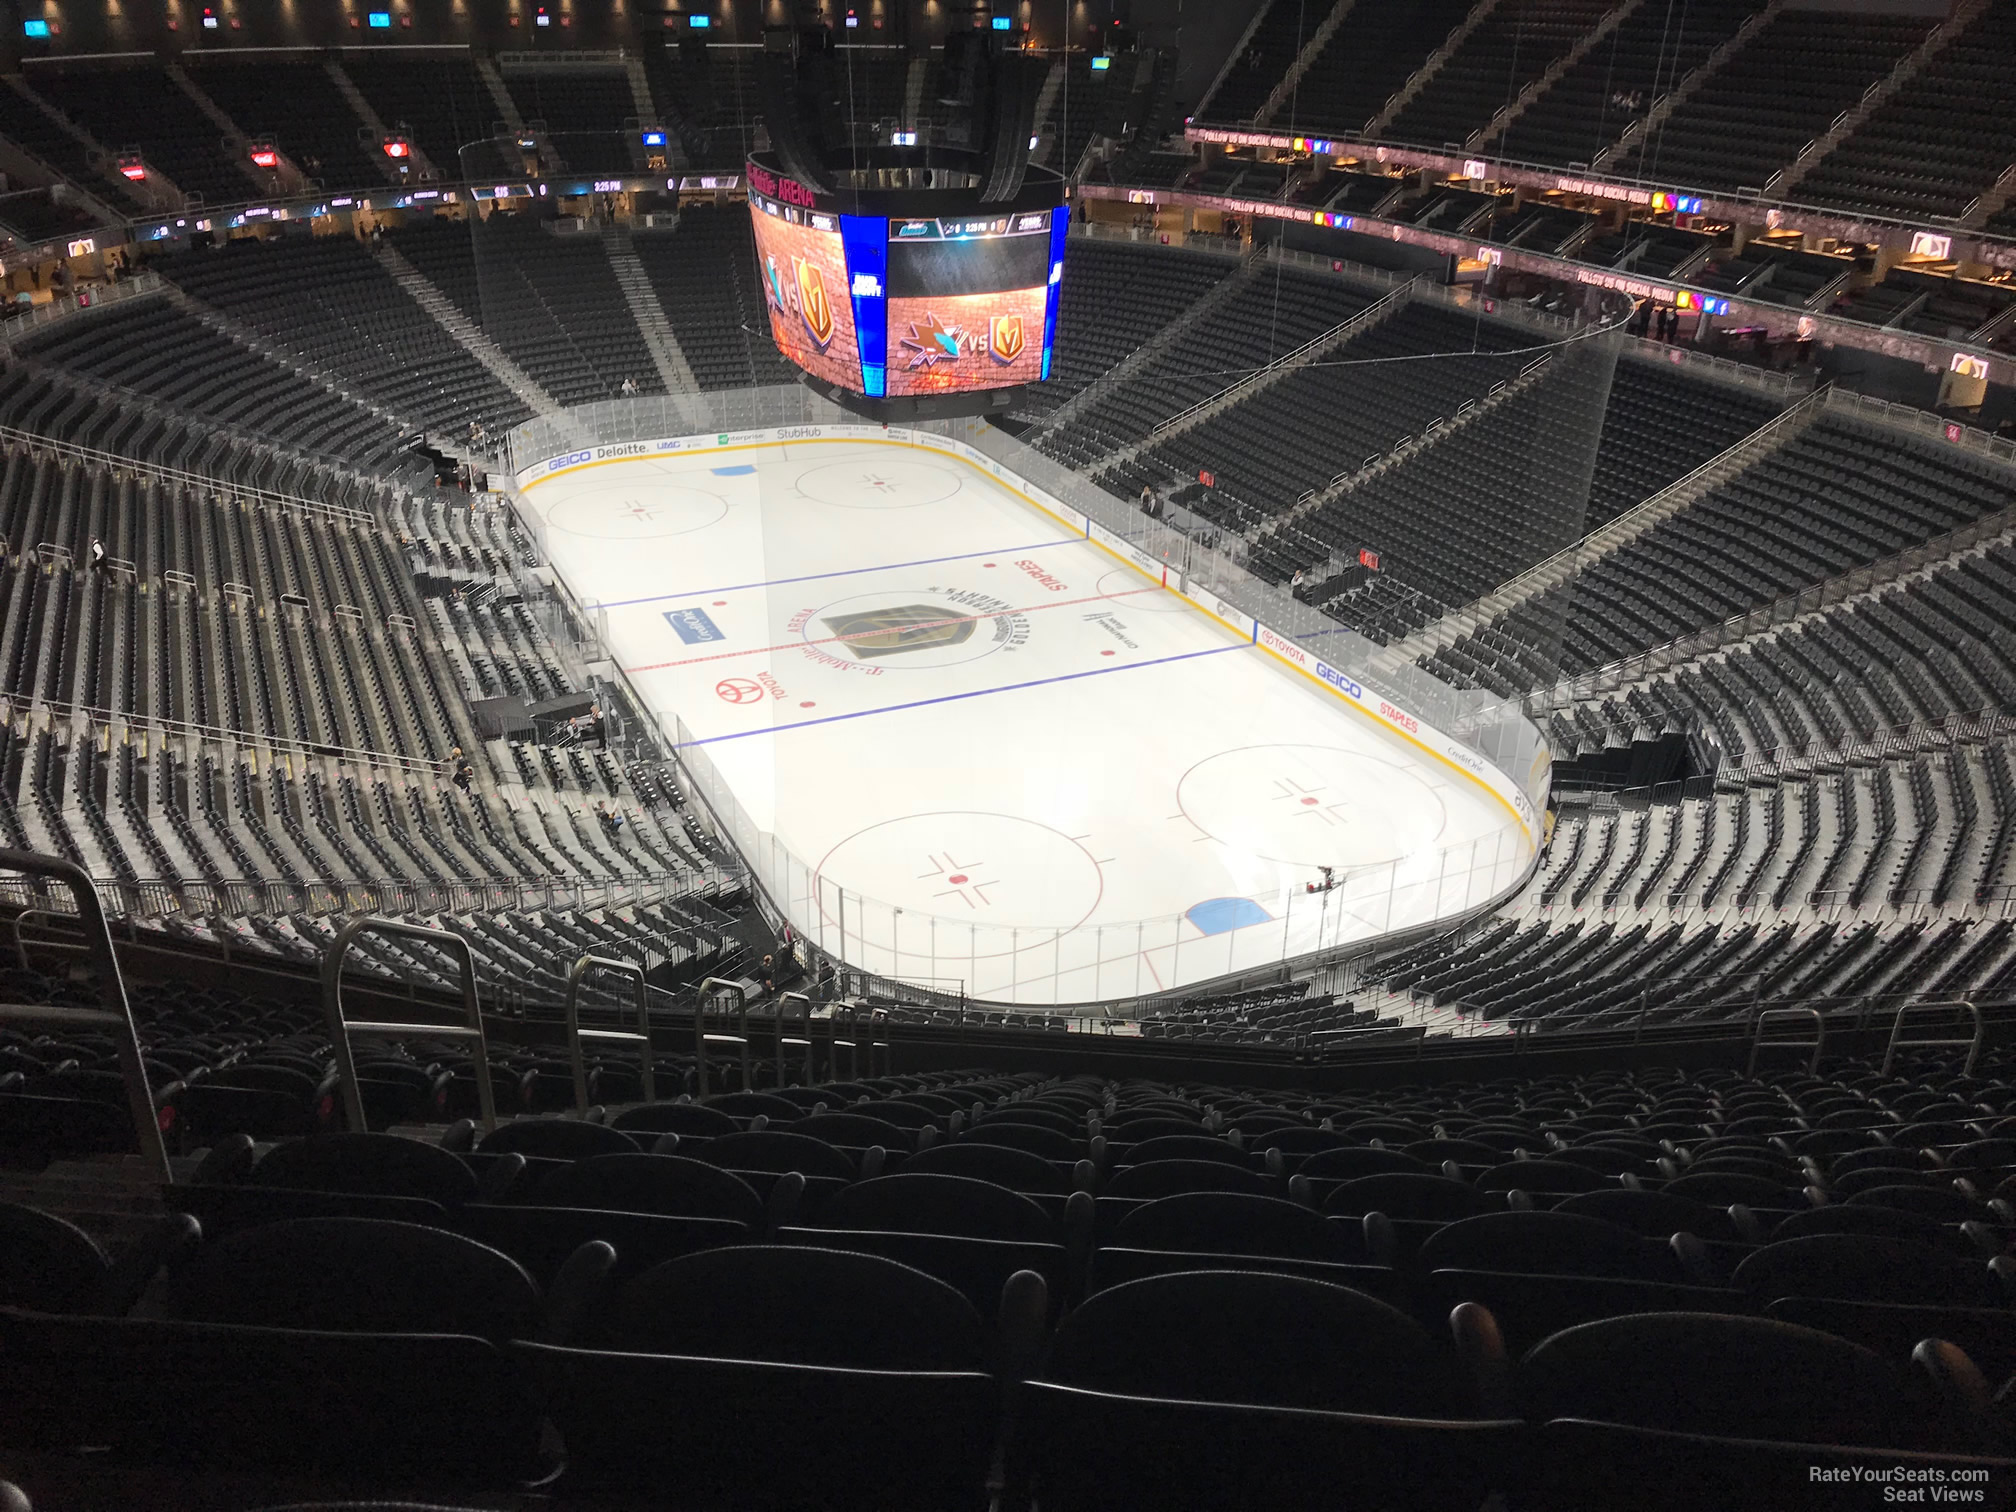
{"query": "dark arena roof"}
(450, 1059)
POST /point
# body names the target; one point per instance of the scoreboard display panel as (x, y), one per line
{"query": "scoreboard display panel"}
(967, 299)
(894, 305)
(804, 268)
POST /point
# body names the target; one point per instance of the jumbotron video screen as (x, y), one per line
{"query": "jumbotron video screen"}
(967, 300)
(896, 306)
(805, 288)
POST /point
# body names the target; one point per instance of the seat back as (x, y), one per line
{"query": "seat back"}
(921, 1202)
(795, 1305)
(668, 1184)
(356, 1275)
(1233, 1223)
(379, 1165)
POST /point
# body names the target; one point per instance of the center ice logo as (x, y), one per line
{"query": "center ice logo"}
(871, 633)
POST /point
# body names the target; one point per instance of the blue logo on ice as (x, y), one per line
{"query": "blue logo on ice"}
(694, 627)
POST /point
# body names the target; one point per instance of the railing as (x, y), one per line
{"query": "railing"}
(77, 302)
(1922, 423)
(203, 482)
(1566, 563)
(803, 1038)
(1785, 387)
(1780, 611)
(1378, 310)
(1891, 743)
(115, 1018)
(710, 990)
(576, 975)
(1760, 1017)
(1352, 144)
(12, 704)
(1973, 1041)
(341, 1028)
(147, 898)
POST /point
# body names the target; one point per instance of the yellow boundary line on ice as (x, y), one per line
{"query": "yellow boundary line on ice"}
(1065, 525)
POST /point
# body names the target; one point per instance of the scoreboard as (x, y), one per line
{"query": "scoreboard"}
(905, 293)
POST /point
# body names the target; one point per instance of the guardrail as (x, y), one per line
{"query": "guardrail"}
(154, 898)
(1780, 611)
(115, 1018)
(202, 482)
(78, 301)
(340, 1028)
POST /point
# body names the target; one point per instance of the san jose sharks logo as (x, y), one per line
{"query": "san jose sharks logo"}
(932, 342)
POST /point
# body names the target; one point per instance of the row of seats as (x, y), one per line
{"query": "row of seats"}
(1773, 94)
(1832, 496)
(1721, 1278)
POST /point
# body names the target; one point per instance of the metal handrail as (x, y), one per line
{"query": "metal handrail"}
(1972, 1042)
(711, 988)
(116, 1015)
(576, 975)
(878, 1018)
(340, 1028)
(21, 945)
(1818, 1041)
(834, 1042)
(811, 1072)
(13, 436)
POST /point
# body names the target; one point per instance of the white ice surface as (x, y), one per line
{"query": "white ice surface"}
(1031, 804)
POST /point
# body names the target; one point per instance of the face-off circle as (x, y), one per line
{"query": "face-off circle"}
(1309, 805)
(879, 483)
(635, 509)
(913, 628)
(996, 872)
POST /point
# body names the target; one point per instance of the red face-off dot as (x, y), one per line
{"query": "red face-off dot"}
(1309, 802)
(956, 878)
(807, 704)
(719, 603)
(1105, 653)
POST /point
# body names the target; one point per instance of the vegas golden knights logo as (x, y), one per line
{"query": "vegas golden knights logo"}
(813, 304)
(871, 633)
(1004, 337)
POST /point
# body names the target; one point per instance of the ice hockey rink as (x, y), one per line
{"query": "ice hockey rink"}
(969, 747)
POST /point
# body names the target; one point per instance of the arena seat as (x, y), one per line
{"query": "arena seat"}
(1191, 1389)
(686, 1373)
(1688, 1408)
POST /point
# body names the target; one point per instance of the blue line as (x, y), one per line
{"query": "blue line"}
(813, 577)
(921, 703)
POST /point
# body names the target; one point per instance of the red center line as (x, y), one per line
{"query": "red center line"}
(962, 619)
